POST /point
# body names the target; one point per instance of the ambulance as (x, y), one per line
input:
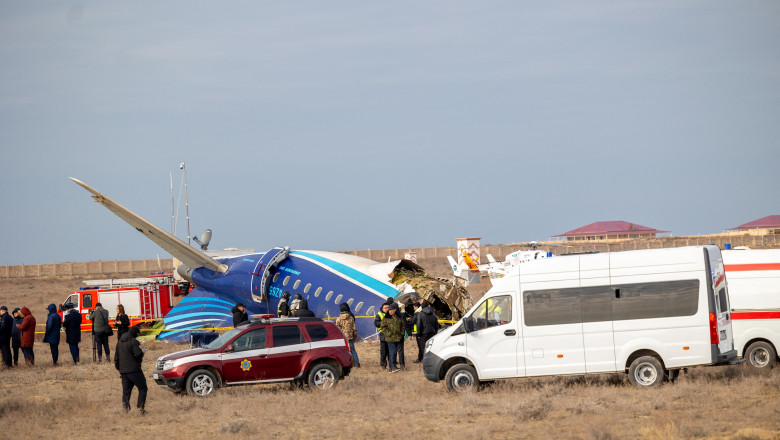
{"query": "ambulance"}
(753, 277)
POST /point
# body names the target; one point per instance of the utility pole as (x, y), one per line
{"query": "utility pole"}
(186, 201)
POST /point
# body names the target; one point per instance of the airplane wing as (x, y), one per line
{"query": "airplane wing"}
(179, 249)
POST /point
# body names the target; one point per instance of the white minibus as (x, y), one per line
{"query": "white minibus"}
(649, 313)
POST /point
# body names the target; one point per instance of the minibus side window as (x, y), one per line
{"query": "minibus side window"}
(492, 312)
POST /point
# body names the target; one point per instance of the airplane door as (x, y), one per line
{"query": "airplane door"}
(492, 342)
(248, 360)
(287, 352)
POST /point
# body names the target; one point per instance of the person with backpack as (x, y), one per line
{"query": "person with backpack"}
(283, 310)
(296, 303)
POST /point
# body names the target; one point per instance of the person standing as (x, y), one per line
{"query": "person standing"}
(239, 315)
(296, 303)
(72, 324)
(346, 322)
(380, 315)
(122, 321)
(27, 335)
(427, 325)
(16, 335)
(6, 333)
(303, 310)
(128, 356)
(416, 332)
(52, 334)
(283, 310)
(393, 328)
(101, 328)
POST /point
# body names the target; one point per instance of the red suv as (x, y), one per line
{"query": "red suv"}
(304, 350)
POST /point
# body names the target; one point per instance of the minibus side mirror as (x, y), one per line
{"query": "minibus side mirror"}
(468, 324)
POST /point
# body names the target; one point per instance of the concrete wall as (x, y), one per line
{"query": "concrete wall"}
(94, 268)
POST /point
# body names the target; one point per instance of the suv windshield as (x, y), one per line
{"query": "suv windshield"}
(222, 339)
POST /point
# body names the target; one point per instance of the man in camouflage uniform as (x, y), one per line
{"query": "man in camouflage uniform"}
(393, 328)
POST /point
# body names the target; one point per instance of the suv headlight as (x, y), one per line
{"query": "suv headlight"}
(163, 365)
(428, 345)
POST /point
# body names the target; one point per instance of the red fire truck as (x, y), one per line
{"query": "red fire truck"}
(143, 298)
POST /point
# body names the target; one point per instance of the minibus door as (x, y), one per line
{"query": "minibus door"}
(492, 338)
(597, 332)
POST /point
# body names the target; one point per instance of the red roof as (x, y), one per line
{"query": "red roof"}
(770, 221)
(604, 228)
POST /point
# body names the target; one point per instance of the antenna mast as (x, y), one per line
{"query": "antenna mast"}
(186, 201)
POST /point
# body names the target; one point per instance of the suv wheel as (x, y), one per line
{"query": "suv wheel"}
(323, 376)
(201, 383)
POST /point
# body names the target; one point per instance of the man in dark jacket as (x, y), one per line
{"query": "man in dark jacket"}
(52, 334)
(72, 324)
(100, 328)
(16, 335)
(128, 356)
(239, 314)
(303, 310)
(6, 332)
(427, 324)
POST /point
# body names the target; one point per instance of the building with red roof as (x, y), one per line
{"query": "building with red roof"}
(614, 230)
(768, 225)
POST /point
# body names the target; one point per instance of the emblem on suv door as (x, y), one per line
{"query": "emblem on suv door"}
(246, 365)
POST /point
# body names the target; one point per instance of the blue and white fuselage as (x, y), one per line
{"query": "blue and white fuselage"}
(325, 279)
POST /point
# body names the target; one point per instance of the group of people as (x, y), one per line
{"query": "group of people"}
(17, 331)
(395, 324)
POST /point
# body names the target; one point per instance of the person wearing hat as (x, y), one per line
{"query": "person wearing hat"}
(393, 328)
(346, 322)
(72, 324)
(6, 332)
(128, 356)
(52, 334)
(283, 310)
(303, 310)
(380, 315)
(239, 314)
(100, 329)
(27, 336)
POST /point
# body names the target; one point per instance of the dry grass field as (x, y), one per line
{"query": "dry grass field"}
(45, 401)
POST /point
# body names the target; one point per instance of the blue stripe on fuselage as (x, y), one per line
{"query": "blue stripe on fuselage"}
(360, 277)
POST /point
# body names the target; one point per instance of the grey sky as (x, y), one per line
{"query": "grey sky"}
(355, 125)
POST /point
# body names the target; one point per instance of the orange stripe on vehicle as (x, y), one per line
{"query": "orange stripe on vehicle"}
(757, 266)
(755, 315)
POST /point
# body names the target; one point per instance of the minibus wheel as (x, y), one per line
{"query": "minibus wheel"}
(461, 377)
(760, 354)
(646, 371)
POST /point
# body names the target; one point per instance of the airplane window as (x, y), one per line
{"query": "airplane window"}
(370, 311)
(351, 300)
(359, 306)
(306, 289)
(276, 277)
(286, 280)
(318, 291)
(297, 283)
(338, 299)
(327, 297)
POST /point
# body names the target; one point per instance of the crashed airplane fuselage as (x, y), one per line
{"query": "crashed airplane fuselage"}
(258, 280)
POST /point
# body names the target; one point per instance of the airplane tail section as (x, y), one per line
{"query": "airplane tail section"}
(179, 249)
(200, 310)
(456, 270)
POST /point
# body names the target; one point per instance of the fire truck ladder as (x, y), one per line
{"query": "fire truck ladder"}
(146, 303)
